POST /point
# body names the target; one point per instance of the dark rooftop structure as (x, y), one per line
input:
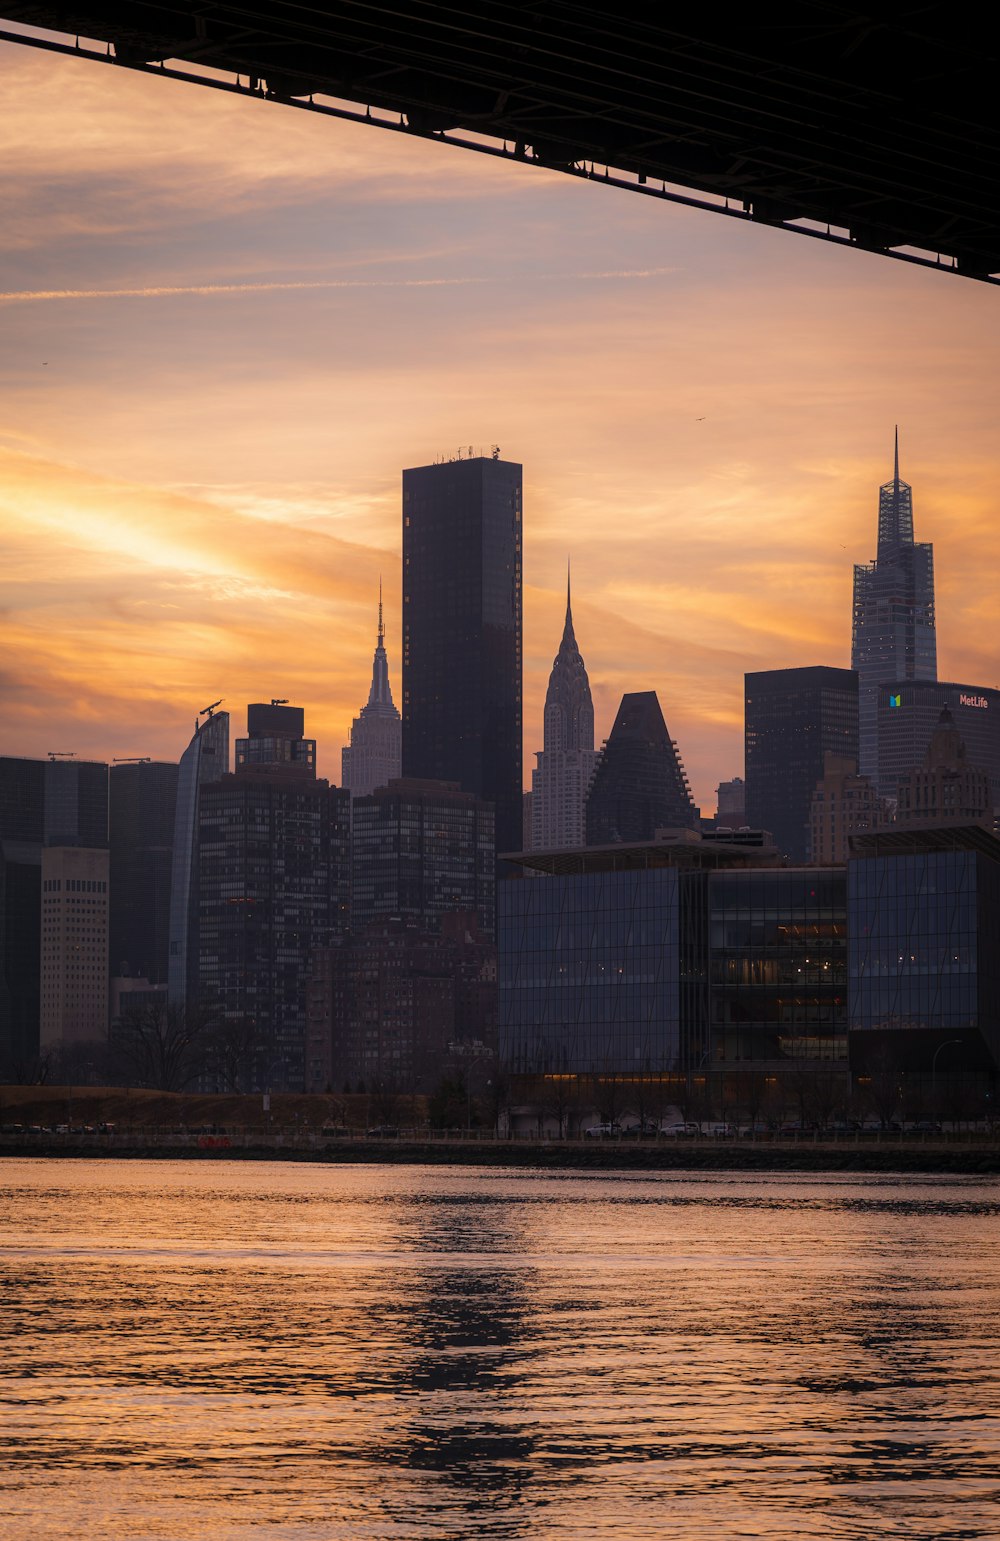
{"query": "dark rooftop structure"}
(875, 128)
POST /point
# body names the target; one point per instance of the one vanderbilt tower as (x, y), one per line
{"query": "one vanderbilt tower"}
(893, 635)
(462, 631)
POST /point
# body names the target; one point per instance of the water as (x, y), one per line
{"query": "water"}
(255, 1351)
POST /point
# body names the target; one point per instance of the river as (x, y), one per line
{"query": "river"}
(240, 1351)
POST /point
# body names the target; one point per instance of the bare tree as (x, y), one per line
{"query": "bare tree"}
(232, 1045)
(163, 1047)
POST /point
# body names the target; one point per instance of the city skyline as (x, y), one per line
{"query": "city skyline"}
(715, 496)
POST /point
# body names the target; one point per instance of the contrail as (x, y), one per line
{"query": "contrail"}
(169, 291)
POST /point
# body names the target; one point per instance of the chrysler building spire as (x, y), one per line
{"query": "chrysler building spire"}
(560, 780)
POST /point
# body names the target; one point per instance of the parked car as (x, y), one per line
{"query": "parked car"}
(644, 1129)
(383, 1132)
(685, 1131)
(602, 1131)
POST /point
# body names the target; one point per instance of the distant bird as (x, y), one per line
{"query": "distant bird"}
(45, 363)
(699, 419)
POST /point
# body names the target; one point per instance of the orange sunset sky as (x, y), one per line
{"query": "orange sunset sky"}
(199, 490)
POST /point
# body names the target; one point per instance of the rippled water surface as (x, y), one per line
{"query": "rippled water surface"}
(237, 1351)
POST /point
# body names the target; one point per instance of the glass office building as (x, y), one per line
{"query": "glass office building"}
(908, 711)
(777, 966)
(589, 973)
(924, 912)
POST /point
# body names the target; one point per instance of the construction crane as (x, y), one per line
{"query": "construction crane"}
(279, 700)
(62, 754)
(207, 711)
(131, 759)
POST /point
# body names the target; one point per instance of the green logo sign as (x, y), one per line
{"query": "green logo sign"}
(895, 700)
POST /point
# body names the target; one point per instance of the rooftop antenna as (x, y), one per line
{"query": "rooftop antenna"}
(381, 628)
(207, 711)
(896, 468)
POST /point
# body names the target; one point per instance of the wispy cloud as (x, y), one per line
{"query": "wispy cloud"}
(169, 291)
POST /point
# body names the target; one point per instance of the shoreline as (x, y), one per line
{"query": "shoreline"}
(967, 1160)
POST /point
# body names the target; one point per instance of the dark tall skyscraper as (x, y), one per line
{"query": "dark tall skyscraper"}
(640, 784)
(893, 635)
(462, 632)
(142, 808)
(793, 717)
(22, 826)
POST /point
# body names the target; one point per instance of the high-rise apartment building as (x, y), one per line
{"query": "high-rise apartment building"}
(421, 850)
(374, 755)
(731, 803)
(142, 809)
(205, 759)
(74, 947)
(22, 827)
(462, 632)
(893, 635)
(793, 717)
(562, 776)
(273, 885)
(639, 785)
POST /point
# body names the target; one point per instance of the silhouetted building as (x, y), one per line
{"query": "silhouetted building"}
(462, 632)
(731, 803)
(908, 713)
(142, 810)
(420, 850)
(843, 804)
(387, 1009)
(205, 759)
(74, 947)
(526, 819)
(274, 878)
(562, 776)
(374, 755)
(22, 831)
(639, 785)
(275, 740)
(945, 789)
(76, 803)
(793, 717)
(924, 915)
(893, 636)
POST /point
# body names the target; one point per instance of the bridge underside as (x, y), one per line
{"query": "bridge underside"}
(878, 129)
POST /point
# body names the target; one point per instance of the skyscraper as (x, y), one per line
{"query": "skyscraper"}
(273, 880)
(142, 809)
(792, 718)
(462, 631)
(893, 635)
(205, 759)
(374, 756)
(640, 784)
(566, 764)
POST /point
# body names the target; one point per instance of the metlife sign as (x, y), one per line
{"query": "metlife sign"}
(978, 701)
(909, 711)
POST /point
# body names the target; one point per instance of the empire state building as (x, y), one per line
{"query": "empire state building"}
(374, 756)
(893, 635)
(566, 764)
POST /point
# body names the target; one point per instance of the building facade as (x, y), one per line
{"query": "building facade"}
(565, 766)
(894, 636)
(22, 833)
(793, 718)
(422, 849)
(206, 759)
(273, 886)
(74, 947)
(843, 804)
(142, 811)
(945, 789)
(639, 784)
(908, 713)
(731, 803)
(462, 644)
(374, 755)
(390, 1008)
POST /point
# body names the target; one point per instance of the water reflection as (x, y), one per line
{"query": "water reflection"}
(194, 1350)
